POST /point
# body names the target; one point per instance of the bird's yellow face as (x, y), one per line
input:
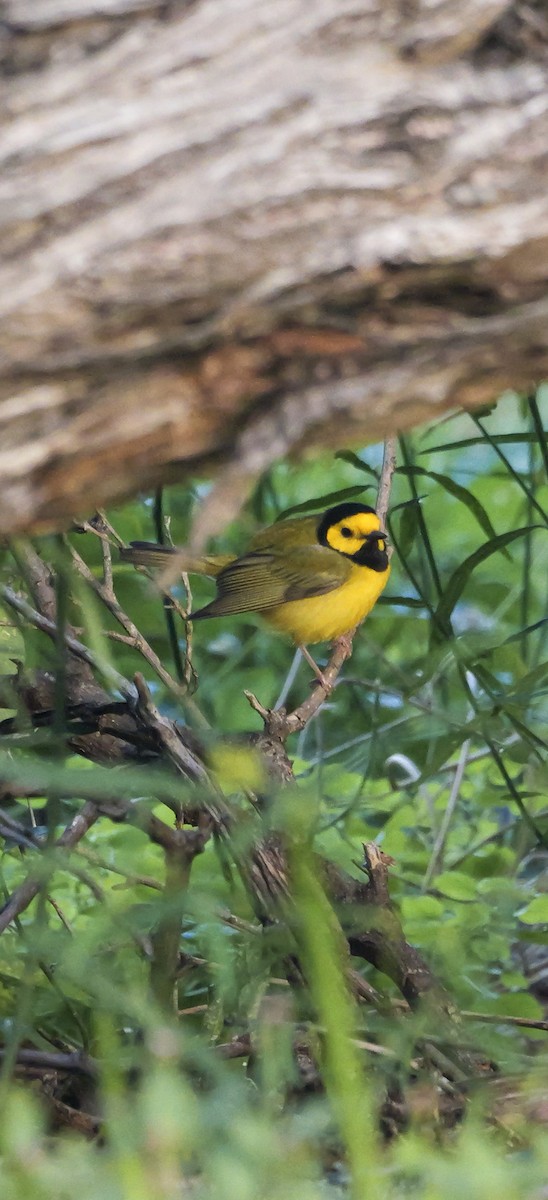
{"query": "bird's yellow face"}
(349, 534)
(355, 531)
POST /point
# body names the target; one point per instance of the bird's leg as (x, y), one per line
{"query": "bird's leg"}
(319, 676)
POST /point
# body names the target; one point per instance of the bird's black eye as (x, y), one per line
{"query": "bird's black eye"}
(346, 532)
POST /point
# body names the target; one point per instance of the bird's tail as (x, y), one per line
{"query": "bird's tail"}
(173, 561)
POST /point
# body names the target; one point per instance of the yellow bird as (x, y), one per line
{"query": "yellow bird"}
(313, 578)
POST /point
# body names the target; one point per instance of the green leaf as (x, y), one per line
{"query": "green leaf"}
(533, 937)
(513, 979)
(456, 885)
(319, 503)
(348, 456)
(490, 947)
(459, 579)
(465, 443)
(531, 683)
(419, 908)
(409, 524)
(414, 500)
(517, 1004)
(402, 601)
(542, 434)
(459, 492)
(521, 633)
(536, 912)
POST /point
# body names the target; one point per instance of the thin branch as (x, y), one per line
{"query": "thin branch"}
(166, 733)
(77, 648)
(140, 643)
(36, 575)
(108, 578)
(130, 877)
(183, 670)
(57, 908)
(29, 888)
(43, 1060)
(289, 679)
(12, 831)
(385, 482)
(280, 724)
(111, 602)
(501, 1019)
(439, 844)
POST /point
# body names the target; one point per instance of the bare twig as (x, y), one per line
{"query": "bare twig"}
(167, 734)
(111, 602)
(140, 643)
(43, 1060)
(101, 527)
(190, 673)
(37, 577)
(385, 482)
(29, 888)
(77, 648)
(500, 1019)
(12, 831)
(108, 579)
(279, 723)
(289, 679)
(185, 670)
(57, 908)
(130, 877)
(364, 990)
(439, 844)
(67, 1117)
(123, 638)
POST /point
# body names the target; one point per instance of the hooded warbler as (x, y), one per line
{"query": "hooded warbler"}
(313, 578)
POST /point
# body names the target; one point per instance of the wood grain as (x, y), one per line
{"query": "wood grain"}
(228, 230)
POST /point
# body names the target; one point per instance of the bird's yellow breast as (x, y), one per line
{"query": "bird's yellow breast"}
(323, 618)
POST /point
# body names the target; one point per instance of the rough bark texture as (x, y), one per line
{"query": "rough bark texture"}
(231, 228)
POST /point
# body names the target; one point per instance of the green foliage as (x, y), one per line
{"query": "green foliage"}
(433, 744)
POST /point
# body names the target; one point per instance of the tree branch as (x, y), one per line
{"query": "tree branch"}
(378, 265)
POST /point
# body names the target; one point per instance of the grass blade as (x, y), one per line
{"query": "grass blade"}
(453, 591)
(459, 492)
(319, 503)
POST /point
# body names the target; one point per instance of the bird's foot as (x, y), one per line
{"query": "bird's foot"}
(327, 686)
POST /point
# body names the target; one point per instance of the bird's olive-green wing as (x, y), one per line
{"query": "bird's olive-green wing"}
(287, 535)
(264, 579)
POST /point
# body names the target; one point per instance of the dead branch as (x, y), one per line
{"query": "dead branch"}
(76, 1062)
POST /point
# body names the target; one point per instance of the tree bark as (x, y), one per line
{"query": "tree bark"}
(232, 229)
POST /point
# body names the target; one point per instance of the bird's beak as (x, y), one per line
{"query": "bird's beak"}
(378, 535)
